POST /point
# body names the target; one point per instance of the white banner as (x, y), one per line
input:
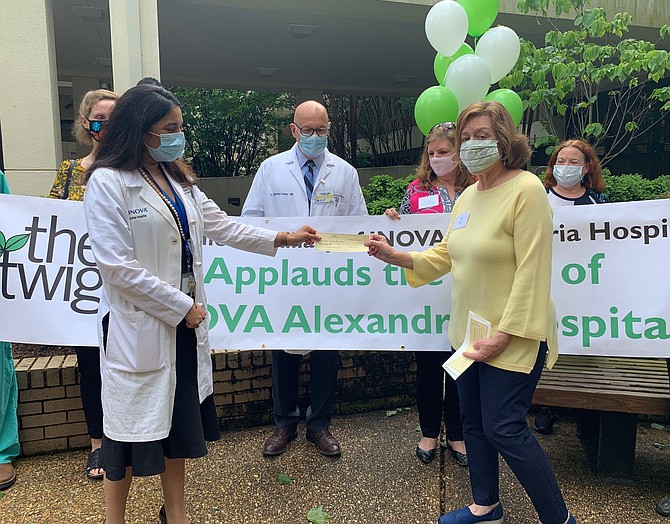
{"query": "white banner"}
(611, 296)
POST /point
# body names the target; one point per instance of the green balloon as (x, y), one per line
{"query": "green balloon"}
(435, 105)
(481, 14)
(442, 63)
(510, 101)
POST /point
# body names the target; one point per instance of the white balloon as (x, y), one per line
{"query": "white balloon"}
(446, 26)
(500, 48)
(469, 78)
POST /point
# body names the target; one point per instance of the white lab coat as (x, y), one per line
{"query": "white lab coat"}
(137, 249)
(278, 189)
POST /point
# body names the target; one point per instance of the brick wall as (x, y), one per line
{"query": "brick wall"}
(51, 417)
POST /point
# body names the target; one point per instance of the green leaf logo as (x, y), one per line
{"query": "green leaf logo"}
(12, 243)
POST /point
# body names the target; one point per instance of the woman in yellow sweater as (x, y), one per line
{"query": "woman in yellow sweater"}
(498, 250)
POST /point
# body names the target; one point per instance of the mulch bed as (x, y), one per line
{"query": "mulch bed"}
(36, 350)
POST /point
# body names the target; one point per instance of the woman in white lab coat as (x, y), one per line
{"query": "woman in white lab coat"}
(146, 219)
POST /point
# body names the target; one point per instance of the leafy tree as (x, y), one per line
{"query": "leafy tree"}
(230, 132)
(566, 76)
(343, 112)
(385, 123)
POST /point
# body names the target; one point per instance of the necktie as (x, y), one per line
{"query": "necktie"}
(309, 179)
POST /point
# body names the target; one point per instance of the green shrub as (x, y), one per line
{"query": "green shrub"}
(628, 188)
(385, 191)
(661, 186)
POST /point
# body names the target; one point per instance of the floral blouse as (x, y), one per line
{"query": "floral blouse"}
(75, 190)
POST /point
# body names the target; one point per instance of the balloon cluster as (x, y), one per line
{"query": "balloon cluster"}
(465, 74)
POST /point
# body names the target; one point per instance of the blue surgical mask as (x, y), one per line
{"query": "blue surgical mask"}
(313, 146)
(171, 148)
(568, 176)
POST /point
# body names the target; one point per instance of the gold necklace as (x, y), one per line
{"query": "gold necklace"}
(150, 180)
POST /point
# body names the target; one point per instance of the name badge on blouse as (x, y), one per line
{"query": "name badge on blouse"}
(188, 284)
(461, 220)
(428, 201)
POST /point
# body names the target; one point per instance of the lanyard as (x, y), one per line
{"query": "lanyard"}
(150, 180)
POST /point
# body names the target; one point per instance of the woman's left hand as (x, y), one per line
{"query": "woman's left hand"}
(487, 348)
(305, 235)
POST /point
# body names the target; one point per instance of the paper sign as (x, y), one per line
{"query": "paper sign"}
(477, 329)
(337, 242)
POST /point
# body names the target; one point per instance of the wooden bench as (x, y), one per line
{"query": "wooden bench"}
(617, 390)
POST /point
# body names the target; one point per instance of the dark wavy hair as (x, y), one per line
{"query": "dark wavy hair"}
(122, 144)
(425, 173)
(593, 179)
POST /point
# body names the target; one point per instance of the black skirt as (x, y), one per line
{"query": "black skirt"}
(192, 423)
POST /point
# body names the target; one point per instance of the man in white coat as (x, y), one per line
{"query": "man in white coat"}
(307, 180)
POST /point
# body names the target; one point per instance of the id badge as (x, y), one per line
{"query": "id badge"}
(428, 201)
(461, 220)
(188, 284)
(324, 197)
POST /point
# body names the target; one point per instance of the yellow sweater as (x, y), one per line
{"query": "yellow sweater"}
(498, 249)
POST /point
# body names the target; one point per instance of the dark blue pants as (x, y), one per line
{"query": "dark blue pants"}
(494, 404)
(437, 396)
(323, 367)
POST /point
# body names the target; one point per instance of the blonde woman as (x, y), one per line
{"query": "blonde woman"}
(94, 112)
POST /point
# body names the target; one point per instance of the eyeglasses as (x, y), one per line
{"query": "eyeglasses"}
(308, 131)
(447, 125)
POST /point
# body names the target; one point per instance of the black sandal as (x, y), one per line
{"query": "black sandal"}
(162, 515)
(94, 462)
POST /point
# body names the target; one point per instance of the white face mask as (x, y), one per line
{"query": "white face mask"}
(443, 165)
(568, 176)
(479, 155)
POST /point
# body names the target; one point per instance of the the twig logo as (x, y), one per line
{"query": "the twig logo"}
(12, 243)
(57, 264)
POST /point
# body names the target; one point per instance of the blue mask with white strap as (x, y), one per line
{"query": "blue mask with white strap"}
(171, 147)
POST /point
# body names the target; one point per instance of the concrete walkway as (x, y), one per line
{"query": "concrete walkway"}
(377, 480)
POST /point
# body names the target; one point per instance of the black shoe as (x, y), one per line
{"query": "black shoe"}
(425, 456)
(162, 516)
(460, 458)
(93, 463)
(544, 422)
(663, 506)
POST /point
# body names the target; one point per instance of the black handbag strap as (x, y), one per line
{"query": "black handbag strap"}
(68, 179)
